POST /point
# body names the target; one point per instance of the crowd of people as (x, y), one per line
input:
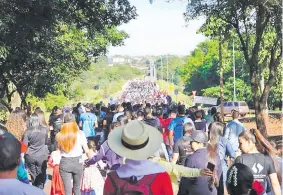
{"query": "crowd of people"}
(160, 149)
(138, 91)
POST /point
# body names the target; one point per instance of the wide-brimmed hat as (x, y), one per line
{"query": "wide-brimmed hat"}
(135, 140)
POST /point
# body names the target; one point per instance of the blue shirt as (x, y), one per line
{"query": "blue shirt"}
(88, 119)
(15, 187)
(232, 132)
(176, 125)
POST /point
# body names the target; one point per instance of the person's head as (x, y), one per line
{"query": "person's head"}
(120, 108)
(181, 110)
(10, 155)
(198, 140)
(16, 126)
(213, 110)
(41, 117)
(21, 113)
(122, 120)
(69, 117)
(113, 108)
(188, 129)
(34, 122)
(159, 112)
(88, 107)
(240, 180)
(67, 136)
(235, 114)
(98, 106)
(37, 109)
(128, 115)
(198, 114)
(140, 115)
(173, 113)
(147, 111)
(57, 110)
(218, 117)
(91, 145)
(215, 130)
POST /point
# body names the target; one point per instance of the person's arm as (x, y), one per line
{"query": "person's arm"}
(227, 132)
(97, 157)
(175, 156)
(170, 135)
(275, 184)
(95, 124)
(25, 138)
(229, 151)
(80, 122)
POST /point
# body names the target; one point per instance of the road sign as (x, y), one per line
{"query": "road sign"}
(171, 88)
(176, 91)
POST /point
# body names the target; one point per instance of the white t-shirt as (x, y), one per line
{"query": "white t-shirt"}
(15, 187)
(78, 148)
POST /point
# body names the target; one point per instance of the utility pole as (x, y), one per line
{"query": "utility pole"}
(167, 74)
(221, 74)
(234, 72)
(162, 73)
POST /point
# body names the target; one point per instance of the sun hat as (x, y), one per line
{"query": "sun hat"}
(197, 136)
(135, 140)
(10, 152)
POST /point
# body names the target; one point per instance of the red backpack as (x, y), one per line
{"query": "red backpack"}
(127, 186)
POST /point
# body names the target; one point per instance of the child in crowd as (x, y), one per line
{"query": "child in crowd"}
(57, 186)
(92, 181)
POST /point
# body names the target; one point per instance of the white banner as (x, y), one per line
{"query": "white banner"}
(205, 100)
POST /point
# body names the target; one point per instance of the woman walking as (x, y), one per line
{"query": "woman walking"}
(71, 142)
(261, 163)
(37, 153)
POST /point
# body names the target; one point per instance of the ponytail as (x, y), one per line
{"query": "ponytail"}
(264, 146)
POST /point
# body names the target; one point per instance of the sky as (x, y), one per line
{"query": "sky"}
(159, 29)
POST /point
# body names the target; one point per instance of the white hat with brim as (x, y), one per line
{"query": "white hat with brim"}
(136, 140)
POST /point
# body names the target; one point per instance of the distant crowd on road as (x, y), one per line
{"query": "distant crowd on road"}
(141, 148)
(139, 91)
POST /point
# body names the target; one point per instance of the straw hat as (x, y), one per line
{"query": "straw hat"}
(135, 140)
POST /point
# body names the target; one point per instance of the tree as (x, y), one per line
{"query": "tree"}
(45, 44)
(258, 26)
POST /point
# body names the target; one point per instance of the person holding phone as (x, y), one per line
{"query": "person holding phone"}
(205, 156)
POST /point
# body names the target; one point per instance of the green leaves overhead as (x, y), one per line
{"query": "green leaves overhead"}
(45, 44)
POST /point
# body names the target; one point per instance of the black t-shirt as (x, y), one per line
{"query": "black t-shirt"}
(56, 121)
(184, 149)
(261, 165)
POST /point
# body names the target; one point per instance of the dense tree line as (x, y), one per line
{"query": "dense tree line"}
(44, 44)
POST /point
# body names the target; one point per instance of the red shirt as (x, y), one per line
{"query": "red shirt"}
(161, 185)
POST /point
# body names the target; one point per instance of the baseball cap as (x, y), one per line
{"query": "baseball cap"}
(197, 136)
(10, 152)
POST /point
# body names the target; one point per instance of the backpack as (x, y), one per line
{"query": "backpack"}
(130, 186)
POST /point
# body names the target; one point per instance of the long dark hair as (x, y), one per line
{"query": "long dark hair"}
(240, 179)
(263, 146)
(34, 122)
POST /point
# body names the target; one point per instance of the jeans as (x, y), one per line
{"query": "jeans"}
(169, 151)
(37, 166)
(71, 168)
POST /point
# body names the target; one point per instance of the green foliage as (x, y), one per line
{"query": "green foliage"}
(243, 91)
(45, 44)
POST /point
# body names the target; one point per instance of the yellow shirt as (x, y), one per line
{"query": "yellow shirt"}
(176, 171)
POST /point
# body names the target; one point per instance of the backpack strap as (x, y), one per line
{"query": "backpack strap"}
(116, 181)
(148, 180)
